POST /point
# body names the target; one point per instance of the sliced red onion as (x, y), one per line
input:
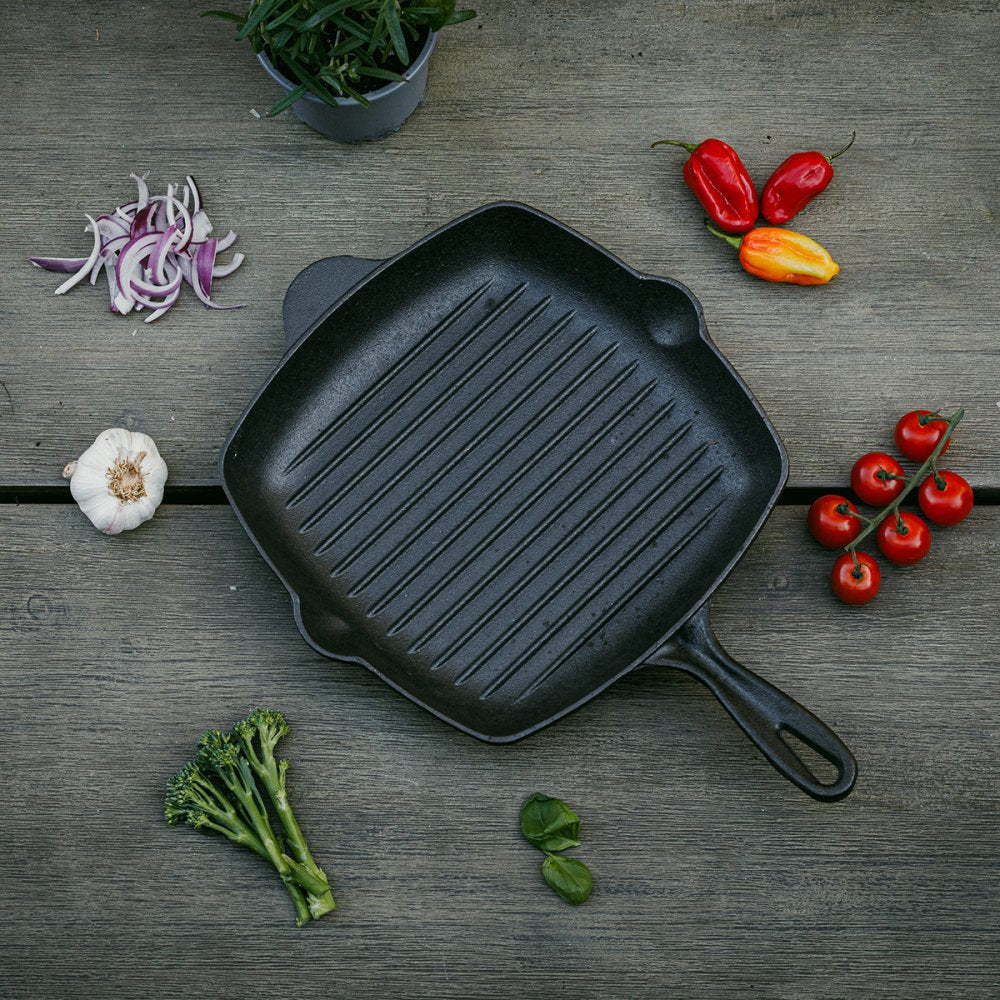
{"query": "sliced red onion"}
(88, 264)
(111, 226)
(132, 255)
(164, 307)
(144, 220)
(63, 264)
(143, 189)
(147, 248)
(149, 302)
(109, 273)
(195, 195)
(201, 226)
(148, 288)
(204, 261)
(115, 244)
(172, 203)
(158, 256)
(221, 270)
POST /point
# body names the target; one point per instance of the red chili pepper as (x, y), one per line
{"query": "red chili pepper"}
(716, 175)
(796, 182)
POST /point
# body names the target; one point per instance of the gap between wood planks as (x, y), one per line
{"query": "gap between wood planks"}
(211, 494)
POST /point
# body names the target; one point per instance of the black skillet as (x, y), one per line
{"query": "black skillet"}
(503, 469)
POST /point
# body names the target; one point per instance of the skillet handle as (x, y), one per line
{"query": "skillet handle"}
(760, 709)
(316, 289)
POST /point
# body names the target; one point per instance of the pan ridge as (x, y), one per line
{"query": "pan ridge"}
(428, 376)
(630, 594)
(539, 530)
(506, 485)
(421, 345)
(509, 407)
(446, 395)
(572, 572)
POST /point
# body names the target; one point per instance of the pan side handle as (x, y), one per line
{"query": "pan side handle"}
(315, 290)
(762, 711)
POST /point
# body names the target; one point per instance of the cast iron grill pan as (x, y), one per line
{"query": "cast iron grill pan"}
(503, 471)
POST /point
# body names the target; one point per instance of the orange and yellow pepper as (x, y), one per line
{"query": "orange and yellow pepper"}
(782, 255)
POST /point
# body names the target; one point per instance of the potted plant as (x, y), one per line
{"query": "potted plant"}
(354, 70)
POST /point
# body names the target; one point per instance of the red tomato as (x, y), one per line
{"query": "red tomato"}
(829, 526)
(918, 433)
(856, 585)
(871, 478)
(946, 503)
(904, 541)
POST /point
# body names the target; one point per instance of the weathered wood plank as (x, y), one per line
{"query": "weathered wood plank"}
(531, 102)
(714, 877)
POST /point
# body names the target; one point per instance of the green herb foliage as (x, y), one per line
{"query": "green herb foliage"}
(340, 49)
(550, 825)
(226, 790)
(570, 878)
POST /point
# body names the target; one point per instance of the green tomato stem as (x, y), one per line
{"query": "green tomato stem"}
(858, 573)
(911, 481)
(842, 508)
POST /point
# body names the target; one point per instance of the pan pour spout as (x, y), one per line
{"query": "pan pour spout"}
(762, 711)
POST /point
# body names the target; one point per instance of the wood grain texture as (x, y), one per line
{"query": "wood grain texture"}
(714, 877)
(535, 101)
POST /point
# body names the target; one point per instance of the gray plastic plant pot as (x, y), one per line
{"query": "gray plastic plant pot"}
(351, 121)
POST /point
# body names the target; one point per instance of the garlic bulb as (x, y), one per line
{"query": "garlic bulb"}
(118, 481)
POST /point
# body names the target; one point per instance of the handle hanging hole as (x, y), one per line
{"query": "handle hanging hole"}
(823, 770)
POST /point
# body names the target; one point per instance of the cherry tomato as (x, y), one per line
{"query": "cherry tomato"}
(946, 503)
(870, 478)
(904, 541)
(829, 526)
(856, 585)
(918, 433)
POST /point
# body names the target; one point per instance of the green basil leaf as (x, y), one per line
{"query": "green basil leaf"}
(549, 823)
(568, 877)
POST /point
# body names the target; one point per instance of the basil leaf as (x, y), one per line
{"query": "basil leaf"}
(549, 823)
(568, 877)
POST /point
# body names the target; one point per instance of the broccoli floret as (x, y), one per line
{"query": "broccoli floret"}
(218, 792)
(258, 735)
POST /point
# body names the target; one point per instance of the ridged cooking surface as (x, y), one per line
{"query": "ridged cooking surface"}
(498, 497)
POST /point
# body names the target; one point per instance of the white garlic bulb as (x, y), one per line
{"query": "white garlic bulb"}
(118, 481)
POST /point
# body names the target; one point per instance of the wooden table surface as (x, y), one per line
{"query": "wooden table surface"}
(713, 876)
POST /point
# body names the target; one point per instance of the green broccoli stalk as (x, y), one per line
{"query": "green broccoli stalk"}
(259, 735)
(217, 791)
